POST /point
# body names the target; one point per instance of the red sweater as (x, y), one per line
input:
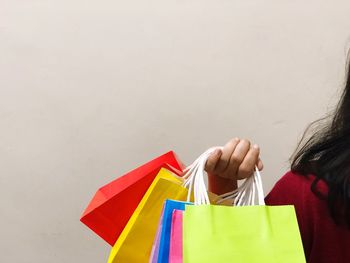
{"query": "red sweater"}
(323, 240)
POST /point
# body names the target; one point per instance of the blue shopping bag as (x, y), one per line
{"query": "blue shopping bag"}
(164, 244)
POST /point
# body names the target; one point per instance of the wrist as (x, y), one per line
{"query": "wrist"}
(219, 185)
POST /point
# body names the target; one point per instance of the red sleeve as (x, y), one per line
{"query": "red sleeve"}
(293, 189)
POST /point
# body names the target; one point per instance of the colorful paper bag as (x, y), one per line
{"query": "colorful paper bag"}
(251, 234)
(135, 242)
(155, 248)
(248, 232)
(175, 251)
(113, 204)
(161, 244)
(164, 246)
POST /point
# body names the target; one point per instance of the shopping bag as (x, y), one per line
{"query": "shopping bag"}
(175, 251)
(161, 244)
(250, 231)
(163, 237)
(135, 242)
(155, 248)
(164, 245)
(113, 204)
(241, 234)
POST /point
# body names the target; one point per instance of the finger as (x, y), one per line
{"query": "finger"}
(260, 165)
(247, 167)
(237, 158)
(212, 161)
(226, 155)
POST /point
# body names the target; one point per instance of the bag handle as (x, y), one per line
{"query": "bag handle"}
(250, 192)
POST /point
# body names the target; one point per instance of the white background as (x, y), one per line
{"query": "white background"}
(92, 89)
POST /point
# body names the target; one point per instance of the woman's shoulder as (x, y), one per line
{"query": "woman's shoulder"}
(292, 178)
(293, 187)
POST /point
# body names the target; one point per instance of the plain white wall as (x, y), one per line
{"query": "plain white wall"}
(92, 89)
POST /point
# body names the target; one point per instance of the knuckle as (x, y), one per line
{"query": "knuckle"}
(246, 170)
(246, 142)
(224, 160)
(253, 158)
(234, 141)
(235, 159)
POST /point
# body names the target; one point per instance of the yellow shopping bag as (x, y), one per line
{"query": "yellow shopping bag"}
(136, 240)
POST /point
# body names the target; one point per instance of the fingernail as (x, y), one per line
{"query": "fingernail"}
(255, 146)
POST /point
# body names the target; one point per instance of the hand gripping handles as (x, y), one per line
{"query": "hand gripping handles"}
(250, 192)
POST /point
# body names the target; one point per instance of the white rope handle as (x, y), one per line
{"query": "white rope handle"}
(194, 179)
(250, 190)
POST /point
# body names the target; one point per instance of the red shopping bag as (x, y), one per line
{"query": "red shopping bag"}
(113, 204)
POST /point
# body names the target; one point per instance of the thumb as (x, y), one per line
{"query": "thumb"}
(213, 160)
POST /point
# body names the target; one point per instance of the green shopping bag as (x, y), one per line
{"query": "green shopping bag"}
(244, 233)
(241, 234)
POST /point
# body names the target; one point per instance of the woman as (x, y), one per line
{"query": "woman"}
(318, 184)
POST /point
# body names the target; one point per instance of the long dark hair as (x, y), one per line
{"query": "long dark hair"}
(326, 154)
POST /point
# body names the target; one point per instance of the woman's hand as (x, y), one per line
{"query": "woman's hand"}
(237, 160)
